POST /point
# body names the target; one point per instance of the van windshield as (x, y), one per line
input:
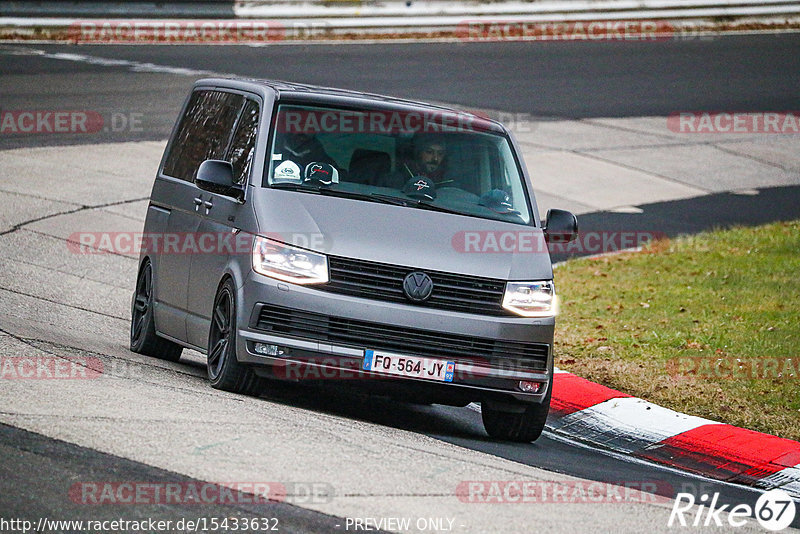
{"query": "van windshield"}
(429, 161)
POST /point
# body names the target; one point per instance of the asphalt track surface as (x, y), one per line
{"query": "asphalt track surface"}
(546, 79)
(38, 471)
(549, 80)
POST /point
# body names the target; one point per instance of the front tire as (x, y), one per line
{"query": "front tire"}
(525, 424)
(144, 339)
(224, 370)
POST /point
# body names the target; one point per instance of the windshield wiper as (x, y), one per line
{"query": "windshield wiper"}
(386, 199)
(434, 207)
(390, 199)
(379, 197)
(291, 186)
(372, 197)
(410, 202)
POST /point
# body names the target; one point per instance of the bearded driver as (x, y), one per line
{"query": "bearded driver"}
(429, 154)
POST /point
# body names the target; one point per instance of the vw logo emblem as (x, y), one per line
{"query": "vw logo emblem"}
(417, 286)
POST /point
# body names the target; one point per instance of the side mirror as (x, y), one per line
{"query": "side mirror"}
(217, 176)
(560, 227)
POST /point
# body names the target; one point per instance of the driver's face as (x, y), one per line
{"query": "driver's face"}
(431, 156)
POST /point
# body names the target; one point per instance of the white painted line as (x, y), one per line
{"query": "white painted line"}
(135, 66)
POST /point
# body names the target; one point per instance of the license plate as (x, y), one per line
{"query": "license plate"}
(410, 366)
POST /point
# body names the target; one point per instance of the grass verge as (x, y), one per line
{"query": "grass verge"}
(708, 325)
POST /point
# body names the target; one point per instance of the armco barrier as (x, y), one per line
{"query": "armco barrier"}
(391, 12)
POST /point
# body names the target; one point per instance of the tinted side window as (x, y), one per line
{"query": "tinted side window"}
(204, 132)
(243, 144)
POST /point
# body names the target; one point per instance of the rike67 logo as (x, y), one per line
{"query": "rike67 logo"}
(775, 510)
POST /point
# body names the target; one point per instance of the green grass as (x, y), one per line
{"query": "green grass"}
(653, 324)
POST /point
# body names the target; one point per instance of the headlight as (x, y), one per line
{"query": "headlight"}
(531, 299)
(291, 264)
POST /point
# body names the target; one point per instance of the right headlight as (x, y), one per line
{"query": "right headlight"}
(291, 264)
(531, 299)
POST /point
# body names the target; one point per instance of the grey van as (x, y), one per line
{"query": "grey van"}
(305, 233)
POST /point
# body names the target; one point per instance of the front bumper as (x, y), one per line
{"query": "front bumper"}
(323, 336)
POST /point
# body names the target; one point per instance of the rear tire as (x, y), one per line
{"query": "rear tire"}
(224, 370)
(525, 425)
(144, 339)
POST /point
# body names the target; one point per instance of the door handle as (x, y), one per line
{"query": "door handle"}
(197, 202)
(208, 204)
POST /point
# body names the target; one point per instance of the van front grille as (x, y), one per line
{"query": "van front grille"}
(379, 281)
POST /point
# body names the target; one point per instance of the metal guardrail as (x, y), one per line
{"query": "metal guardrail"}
(306, 9)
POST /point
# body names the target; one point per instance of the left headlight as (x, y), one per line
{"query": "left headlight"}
(292, 264)
(531, 299)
